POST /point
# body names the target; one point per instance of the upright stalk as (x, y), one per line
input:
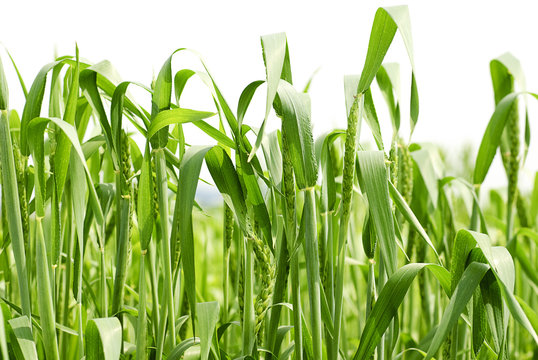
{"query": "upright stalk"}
(155, 316)
(353, 120)
(43, 270)
(162, 190)
(290, 229)
(123, 216)
(141, 332)
(227, 243)
(123, 209)
(64, 342)
(312, 270)
(249, 321)
(11, 195)
(279, 293)
(327, 277)
(45, 299)
(102, 265)
(380, 283)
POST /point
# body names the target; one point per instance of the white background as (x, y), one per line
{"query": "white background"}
(454, 43)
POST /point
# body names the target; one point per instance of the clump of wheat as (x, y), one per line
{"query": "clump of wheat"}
(286, 244)
(267, 278)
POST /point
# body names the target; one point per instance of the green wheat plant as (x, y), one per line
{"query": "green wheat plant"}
(323, 247)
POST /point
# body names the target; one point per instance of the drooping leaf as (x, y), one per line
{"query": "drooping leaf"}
(225, 177)
(175, 116)
(386, 22)
(371, 119)
(254, 196)
(277, 66)
(388, 79)
(294, 109)
(464, 290)
(410, 217)
(187, 184)
(374, 182)
(68, 130)
(182, 347)
(245, 99)
(388, 302)
(492, 136)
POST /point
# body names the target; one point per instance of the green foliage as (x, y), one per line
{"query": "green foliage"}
(106, 252)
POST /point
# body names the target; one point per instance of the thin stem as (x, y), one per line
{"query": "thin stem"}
(354, 117)
(312, 270)
(46, 307)
(249, 321)
(290, 222)
(162, 190)
(141, 327)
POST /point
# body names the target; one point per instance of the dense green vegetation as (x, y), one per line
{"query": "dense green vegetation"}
(321, 249)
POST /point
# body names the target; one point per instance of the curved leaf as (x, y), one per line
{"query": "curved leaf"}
(187, 183)
(245, 99)
(388, 79)
(103, 339)
(177, 353)
(276, 58)
(34, 101)
(410, 217)
(294, 109)
(502, 265)
(14, 220)
(160, 100)
(4, 91)
(462, 294)
(388, 302)
(386, 22)
(492, 136)
(175, 116)
(22, 332)
(63, 148)
(68, 130)
(374, 182)
(225, 177)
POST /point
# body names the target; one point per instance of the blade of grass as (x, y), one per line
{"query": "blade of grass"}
(463, 292)
(11, 198)
(187, 184)
(388, 302)
(22, 331)
(44, 295)
(175, 116)
(103, 339)
(374, 182)
(492, 136)
(277, 66)
(208, 315)
(386, 22)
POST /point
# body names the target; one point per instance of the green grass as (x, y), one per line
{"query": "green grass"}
(322, 248)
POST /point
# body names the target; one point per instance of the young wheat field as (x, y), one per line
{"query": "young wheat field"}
(321, 248)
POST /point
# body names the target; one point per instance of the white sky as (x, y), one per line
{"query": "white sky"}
(453, 42)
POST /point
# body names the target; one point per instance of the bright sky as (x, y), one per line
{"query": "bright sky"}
(453, 46)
